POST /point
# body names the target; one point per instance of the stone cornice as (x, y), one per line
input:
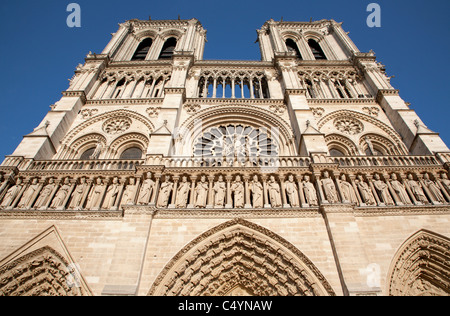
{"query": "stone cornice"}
(75, 94)
(365, 101)
(61, 215)
(386, 92)
(228, 101)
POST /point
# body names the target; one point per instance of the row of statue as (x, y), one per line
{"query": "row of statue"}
(231, 192)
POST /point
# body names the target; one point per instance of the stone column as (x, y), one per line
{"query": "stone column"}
(229, 199)
(283, 191)
(174, 192)
(248, 203)
(155, 189)
(301, 192)
(210, 203)
(266, 196)
(191, 203)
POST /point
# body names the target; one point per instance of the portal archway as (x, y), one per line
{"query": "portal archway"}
(421, 266)
(239, 256)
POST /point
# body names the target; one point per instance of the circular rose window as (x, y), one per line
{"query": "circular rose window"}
(117, 125)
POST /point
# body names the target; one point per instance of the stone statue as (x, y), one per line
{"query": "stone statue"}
(146, 190)
(416, 189)
(365, 191)
(436, 194)
(292, 191)
(61, 195)
(78, 194)
(220, 189)
(27, 197)
(112, 194)
(400, 190)
(348, 193)
(383, 190)
(274, 192)
(445, 182)
(97, 151)
(329, 188)
(183, 193)
(239, 192)
(164, 193)
(45, 194)
(310, 192)
(130, 192)
(95, 197)
(12, 193)
(257, 190)
(201, 193)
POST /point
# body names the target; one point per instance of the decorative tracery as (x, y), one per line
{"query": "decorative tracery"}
(235, 141)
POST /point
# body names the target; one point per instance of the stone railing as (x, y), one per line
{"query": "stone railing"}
(374, 161)
(61, 165)
(188, 162)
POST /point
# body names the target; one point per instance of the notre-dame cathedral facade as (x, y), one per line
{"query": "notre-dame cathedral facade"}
(161, 173)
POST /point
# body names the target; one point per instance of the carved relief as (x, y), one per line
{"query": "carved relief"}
(239, 254)
(117, 125)
(349, 126)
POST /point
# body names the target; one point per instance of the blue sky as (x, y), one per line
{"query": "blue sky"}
(39, 52)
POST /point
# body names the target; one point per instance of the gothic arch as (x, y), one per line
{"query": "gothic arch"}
(43, 272)
(242, 114)
(341, 143)
(360, 118)
(78, 131)
(421, 266)
(127, 141)
(240, 255)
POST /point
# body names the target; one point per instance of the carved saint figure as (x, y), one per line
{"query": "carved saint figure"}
(97, 151)
(220, 189)
(182, 193)
(12, 193)
(445, 182)
(310, 192)
(201, 193)
(436, 194)
(164, 193)
(61, 195)
(78, 194)
(274, 192)
(257, 190)
(238, 189)
(146, 190)
(292, 191)
(27, 197)
(365, 191)
(348, 193)
(329, 188)
(96, 195)
(383, 190)
(400, 190)
(112, 194)
(44, 196)
(130, 192)
(416, 189)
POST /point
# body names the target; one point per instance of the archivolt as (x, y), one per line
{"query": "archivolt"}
(421, 266)
(43, 272)
(240, 254)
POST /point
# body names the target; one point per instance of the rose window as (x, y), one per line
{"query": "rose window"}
(117, 125)
(349, 126)
(235, 141)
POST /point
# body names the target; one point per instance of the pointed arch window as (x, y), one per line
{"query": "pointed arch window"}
(143, 49)
(316, 50)
(292, 47)
(168, 48)
(131, 153)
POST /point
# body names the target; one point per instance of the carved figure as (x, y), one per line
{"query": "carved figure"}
(220, 189)
(112, 194)
(329, 188)
(310, 192)
(201, 192)
(146, 190)
(382, 190)
(238, 189)
(257, 190)
(348, 193)
(436, 194)
(164, 193)
(27, 197)
(365, 191)
(12, 193)
(292, 191)
(274, 192)
(182, 193)
(417, 190)
(400, 189)
(78, 194)
(44, 196)
(130, 192)
(61, 195)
